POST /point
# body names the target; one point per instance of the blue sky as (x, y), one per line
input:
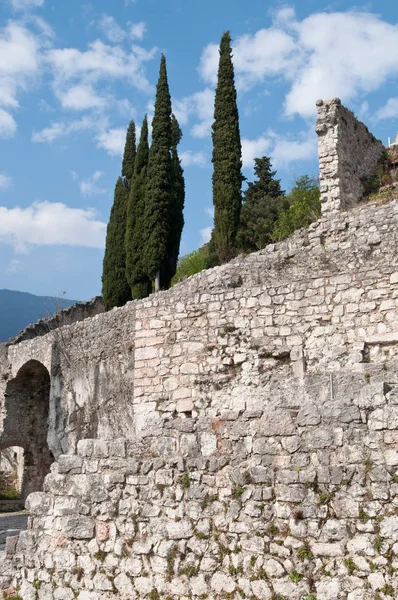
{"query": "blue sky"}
(73, 74)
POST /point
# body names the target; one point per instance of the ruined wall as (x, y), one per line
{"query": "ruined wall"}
(348, 156)
(324, 300)
(258, 401)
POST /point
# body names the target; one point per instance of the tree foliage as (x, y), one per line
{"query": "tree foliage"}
(263, 203)
(304, 208)
(191, 263)
(115, 289)
(129, 153)
(176, 208)
(227, 152)
(159, 180)
(135, 229)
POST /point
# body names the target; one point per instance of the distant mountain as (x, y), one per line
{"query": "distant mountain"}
(20, 309)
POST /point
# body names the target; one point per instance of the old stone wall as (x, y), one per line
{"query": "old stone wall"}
(324, 300)
(252, 422)
(348, 156)
(288, 501)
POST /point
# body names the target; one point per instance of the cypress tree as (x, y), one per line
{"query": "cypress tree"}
(176, 209)
(129, 153)
(227, 153)
(115, 289)
(159, 182)
(135, 230)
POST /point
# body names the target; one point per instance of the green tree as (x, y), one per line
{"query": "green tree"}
(129, 153)
(115, 289)
(227, 153)
(263, 203)
(159, 182)
(191, 263)
(135, 229)
(304, 208)
(176, 208)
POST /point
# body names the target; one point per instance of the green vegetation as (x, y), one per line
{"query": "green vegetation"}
(263, 203)
(227, 152)
(135, 229)
(115, 289)
(162, 190)
(185, 481)
(295, 576)
(129, 153)
(191, 263)
(304, 208)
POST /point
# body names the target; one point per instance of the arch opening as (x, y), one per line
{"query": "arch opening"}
(27, 400)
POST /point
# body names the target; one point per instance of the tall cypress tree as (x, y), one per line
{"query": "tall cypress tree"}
(227, 153)
(176, 208)
(159, 182)
(129, 153)
(135, 230)
(115, 288)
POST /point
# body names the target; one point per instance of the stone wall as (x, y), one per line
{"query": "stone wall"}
(288, 501)
(259, 401)
(348, 156)
(322, 301)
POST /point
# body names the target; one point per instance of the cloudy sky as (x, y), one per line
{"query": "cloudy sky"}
(72, 75)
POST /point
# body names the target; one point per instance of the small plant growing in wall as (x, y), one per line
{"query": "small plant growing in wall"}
(185, 481)
(295, 576)
(350, 566)
(305, 552)
(100, 555)
(237, 492)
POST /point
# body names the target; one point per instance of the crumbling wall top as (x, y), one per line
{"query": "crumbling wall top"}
(348, 156)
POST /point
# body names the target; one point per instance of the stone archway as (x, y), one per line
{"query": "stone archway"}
(26, 403)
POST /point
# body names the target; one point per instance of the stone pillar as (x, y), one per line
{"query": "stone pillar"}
(348, 156)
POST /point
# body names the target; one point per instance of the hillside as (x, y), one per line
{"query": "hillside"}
(19, 309)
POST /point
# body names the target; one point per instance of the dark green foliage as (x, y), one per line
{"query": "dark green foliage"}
(135, 229)
(176, 208)
(191, 263)
(159, 180)
(227, 152)
(305, 207)
(263, 203)
(115, 289)
(129, 153)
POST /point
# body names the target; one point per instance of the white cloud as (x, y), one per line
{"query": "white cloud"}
(20, 59)
(5, 181)
(49, 224)
(59, 129)
(252, 149)
(81, 97)
(101, 61)
(200, 106)
(113, 141)
(111, 29)
(326, 54)
(138, 30)
(389, 110)
(206, 234)
(282, 150)
(13, 266)
(74, 175)
(49, 134)
(210, 211)
(25, 4)
(89, 187)
(287, 150)
(190, 159)
(8, 125)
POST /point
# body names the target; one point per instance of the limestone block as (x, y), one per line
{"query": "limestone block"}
(222, 583)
